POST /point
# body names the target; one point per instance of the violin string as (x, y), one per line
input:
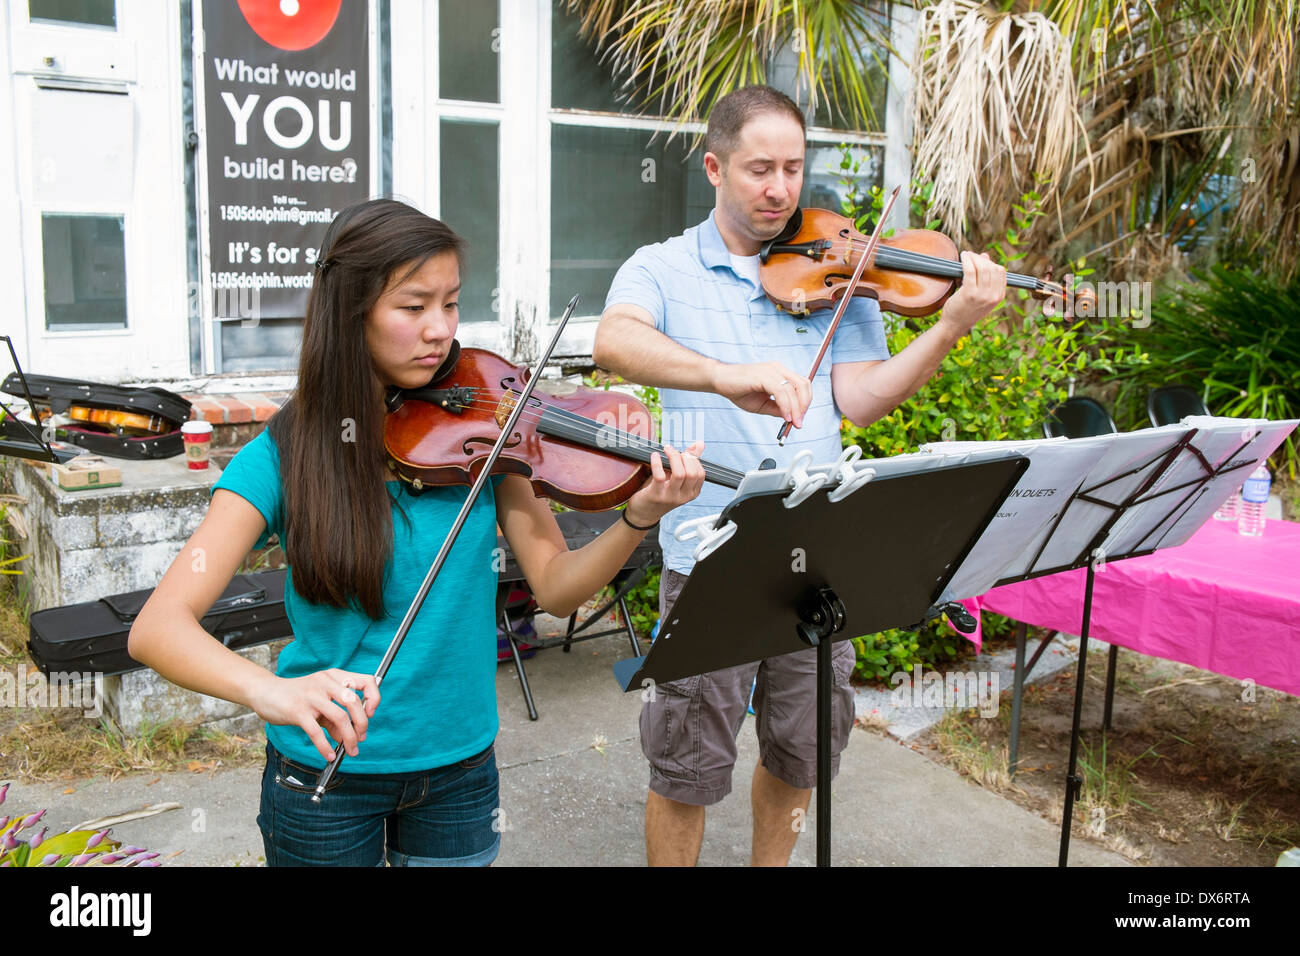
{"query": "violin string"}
(902, 256)
(491, 401)
(918, 259)
(592, 428)
(489, 404)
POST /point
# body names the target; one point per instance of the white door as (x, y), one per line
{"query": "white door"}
(97, 159)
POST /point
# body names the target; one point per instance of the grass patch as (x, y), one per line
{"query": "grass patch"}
(61, 744)
(964, 737)
(1109, 782)
(51, 743)
(1194, 772)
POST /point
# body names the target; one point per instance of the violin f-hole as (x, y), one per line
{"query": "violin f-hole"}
(512, 442)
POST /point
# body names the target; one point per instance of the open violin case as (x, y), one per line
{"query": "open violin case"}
(92, 636)
(111, 413)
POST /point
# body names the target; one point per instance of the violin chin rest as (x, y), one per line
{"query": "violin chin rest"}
(448, 364)
(792, 227)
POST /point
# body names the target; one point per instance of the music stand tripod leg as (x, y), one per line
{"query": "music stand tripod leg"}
(1073, 782)
(568, 634)
(627, 626)
(820, 616)
(1017, 695)
(1113, 657)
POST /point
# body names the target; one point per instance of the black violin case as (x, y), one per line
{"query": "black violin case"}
(92, 636)
(59, 393)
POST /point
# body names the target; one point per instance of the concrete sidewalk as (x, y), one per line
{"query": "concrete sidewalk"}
(573, 793)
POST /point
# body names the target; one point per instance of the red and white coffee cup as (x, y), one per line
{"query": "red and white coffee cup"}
(197, 436)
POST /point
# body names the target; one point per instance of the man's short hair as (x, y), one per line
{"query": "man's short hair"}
(733, 111)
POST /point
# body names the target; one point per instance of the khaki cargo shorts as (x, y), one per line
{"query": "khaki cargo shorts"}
(689, 726)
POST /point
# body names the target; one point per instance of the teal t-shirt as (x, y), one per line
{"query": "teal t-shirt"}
(438, 700)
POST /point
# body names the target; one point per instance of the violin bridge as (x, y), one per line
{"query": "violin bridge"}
(504, 408)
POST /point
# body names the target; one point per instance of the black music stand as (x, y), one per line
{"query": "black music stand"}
(1149, 503)
(780, 579)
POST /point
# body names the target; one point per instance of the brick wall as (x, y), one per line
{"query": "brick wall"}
(236, 419)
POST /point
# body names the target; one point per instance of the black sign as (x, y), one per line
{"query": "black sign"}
(287, 117)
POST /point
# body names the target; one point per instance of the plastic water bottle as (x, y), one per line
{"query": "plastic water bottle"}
(1229, 510)
(1254, 498)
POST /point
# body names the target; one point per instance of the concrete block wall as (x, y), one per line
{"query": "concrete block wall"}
(84, 545)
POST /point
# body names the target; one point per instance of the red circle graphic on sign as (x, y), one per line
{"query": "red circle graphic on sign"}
(291, 24)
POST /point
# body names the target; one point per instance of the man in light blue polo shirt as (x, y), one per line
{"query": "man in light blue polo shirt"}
(688, 315)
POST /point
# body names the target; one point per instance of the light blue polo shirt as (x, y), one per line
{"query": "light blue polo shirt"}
(438, 704)
(698, 299)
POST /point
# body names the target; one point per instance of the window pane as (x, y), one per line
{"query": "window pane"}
(826, 182)
(469, 37)
(612, 191)
(268, 345)
(578, 79)
(85, 272)
(97, 13)
(871, 64)
(470, 206)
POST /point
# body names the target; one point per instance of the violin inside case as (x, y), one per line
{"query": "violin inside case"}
(92, 636)
(60, 394)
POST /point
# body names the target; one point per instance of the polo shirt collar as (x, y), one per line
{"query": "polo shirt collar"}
(713, 251)
(715, 254)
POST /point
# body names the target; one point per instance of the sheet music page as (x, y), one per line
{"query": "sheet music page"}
(1129, 460)
(1012, 538)
(1169, 519)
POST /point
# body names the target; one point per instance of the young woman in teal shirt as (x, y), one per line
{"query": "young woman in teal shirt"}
(419, 784)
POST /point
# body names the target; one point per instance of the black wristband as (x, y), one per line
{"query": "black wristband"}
(635, 527)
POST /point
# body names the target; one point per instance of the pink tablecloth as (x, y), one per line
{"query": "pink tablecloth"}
(1220, 602)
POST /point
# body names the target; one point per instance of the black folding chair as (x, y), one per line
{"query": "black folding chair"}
(1170, 404)
(579, 528)
(1078, 417)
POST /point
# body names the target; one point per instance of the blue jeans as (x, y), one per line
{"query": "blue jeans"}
(440, 817)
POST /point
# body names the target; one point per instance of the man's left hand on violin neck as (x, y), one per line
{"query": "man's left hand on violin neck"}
(983, 287)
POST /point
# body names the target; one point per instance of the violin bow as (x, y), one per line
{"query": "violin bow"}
(848, 295)
(484, 473)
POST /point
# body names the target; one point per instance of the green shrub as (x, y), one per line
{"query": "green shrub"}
(1233, 336)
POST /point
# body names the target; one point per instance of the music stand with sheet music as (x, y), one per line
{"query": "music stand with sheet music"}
(1144, 491)
(804, 557)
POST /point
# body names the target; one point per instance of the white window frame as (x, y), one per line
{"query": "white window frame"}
(526, 120)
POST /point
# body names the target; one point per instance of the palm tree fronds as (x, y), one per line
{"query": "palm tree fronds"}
(681, 56)
(994, 107)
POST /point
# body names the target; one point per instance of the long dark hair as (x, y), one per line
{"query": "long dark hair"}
(338, 521)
